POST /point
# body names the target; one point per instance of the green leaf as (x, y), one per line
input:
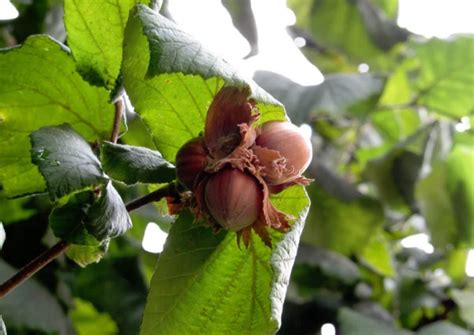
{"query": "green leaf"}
(65, 160)
(455, 263)
(107, 217)
(345, 26)
(88, 321)
(465, 301)
(396, 125)
(442, 328)
(95, 31)
(67, 222)
(89, 220)
(115, 286)
(2, 235)
(3, 329)
(377, 255)
(383, 31)
(333, 265)
(341, 93)
(39, 86)
(341, 225)
(20, 307)
(84, 255)
(171, 80)
(355, 323)
(446, 198)
(445, 78)
(13, 210)
(237, 289)
(395, 173)
(132, 164)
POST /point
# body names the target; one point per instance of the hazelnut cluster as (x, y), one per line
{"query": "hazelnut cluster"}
(234, 167)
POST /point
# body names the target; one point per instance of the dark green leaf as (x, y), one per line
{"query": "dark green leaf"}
(331, 264)
(171, 80)
(132, 164)
(395, 173)
(65, 160)
(95, 34)
(39, 86)
(339, 24)
(341, 225)
(416, 300)
(446, 198)
(236, 288)
(442, 328)
(21, 309)
(338, 94)
(88, 220)
(107, 217)
(115, 286)
(88, 321)
(354, 323)
(384, 32)
(465, 301)
(67, 222)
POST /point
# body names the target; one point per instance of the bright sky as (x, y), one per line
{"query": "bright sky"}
(278, 52)
(439, 18)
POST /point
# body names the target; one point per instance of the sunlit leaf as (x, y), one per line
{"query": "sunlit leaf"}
(39, 86)
(84, 255)
(445, 79)
(88, 321)
(377, 255)
(237, 288)
(95, 31)
(174, 79)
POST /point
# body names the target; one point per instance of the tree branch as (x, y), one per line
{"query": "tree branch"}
(167, 191)
(49, 255)
(119, 106)
(34, 266)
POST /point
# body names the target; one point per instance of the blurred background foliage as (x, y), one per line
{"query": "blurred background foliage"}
(385, 248)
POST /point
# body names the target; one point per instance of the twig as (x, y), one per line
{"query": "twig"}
(34, 266)
(166, 191)
(49, 255)
(119, 106)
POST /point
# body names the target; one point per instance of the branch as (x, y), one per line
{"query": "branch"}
(34, 266)
(167, 191)
(49, 255)
(119, 106)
